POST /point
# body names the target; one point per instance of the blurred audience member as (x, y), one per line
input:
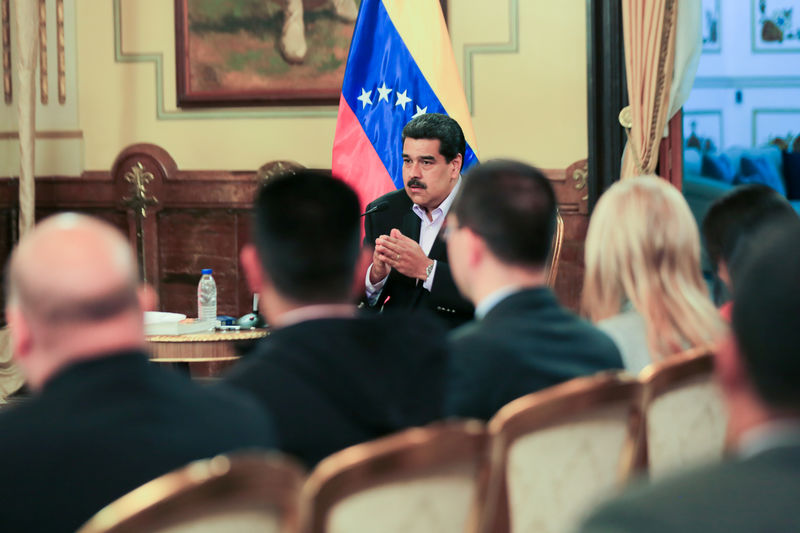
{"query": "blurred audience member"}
(103, 420)
(330, 377)
(730, 221)
(500, 230)
(759, 372)
(643, 285)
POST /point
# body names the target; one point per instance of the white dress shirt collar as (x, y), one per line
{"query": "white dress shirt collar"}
(767, 436)
(494, 298)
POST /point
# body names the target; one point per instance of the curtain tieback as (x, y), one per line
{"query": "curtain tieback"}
(626, 121)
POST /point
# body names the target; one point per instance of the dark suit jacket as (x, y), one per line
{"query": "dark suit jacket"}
(101, 428)
(755, 495)
(527, 342)
(403, 292)
(331, 383)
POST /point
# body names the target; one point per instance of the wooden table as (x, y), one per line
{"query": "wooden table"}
(205, 354)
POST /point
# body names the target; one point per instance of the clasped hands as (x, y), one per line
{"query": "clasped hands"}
(396, 251)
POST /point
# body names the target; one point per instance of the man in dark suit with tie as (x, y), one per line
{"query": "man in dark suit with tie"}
(758, 369)
(499, 233)
(103, 419)
(410, 267)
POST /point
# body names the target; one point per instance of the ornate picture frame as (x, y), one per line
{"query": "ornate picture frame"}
(775, 26)
(240, 52)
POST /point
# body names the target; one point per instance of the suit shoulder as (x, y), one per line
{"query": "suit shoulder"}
(726, 496)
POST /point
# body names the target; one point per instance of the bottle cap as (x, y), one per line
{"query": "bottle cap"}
(207, 271)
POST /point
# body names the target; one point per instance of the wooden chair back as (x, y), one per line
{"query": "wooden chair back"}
(686, 418)
(556, 452)
(243, 493)
(420, 480)
(555, 251)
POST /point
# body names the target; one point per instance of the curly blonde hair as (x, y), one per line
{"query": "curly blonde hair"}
(643, 247)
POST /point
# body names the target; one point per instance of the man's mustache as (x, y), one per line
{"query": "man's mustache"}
(416, 182)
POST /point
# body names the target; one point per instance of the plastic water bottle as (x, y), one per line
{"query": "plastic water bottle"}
(207, 296)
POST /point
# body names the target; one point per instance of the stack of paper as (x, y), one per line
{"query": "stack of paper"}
(158, 323)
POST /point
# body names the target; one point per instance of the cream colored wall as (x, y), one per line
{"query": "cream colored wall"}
(529, 104)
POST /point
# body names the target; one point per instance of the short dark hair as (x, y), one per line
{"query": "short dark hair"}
(766, 315)
(441, 127)
(736, 215)
(512, 206)
(306, 229)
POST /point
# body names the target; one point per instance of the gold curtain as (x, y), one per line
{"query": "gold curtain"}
(27, 42)
(10, 376)
(27, 25)
(649, 34)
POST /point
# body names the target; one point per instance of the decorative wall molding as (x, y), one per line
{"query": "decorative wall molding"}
(157, 59)
(5, 15)
(701, 114)
(783, 46)
(61, 53)
(746, 82)
(44, 134)
(509, 47)
(201, 219)
(793, 123)
(43, 83)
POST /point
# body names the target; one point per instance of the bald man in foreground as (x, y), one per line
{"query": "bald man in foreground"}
(103, 420)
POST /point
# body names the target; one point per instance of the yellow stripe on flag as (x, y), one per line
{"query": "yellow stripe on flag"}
(421, 25)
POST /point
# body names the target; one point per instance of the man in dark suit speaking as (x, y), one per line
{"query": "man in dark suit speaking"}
(758, 370)
(410, 268)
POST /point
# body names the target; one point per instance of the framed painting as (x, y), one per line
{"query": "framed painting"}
(702, 129)
(769, 124)
(262, 52)
(774, 27)
(711, 26)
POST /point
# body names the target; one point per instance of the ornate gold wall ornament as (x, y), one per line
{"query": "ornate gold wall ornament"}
(138, 177)
(6, 21)
(62, 69)
(43, 51)
(581, 177)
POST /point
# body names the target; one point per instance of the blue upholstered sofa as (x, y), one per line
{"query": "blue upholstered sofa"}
(702, 184)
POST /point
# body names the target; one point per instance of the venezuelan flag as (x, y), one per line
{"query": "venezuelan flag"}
(400, 65)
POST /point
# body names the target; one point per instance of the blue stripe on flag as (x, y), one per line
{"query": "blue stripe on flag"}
(379, 59)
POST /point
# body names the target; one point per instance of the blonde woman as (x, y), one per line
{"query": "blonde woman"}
(643, 284)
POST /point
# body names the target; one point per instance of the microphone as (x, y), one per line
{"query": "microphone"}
(380, 206)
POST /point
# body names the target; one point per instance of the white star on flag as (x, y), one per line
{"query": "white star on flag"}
(383, 93)
(420, 111)
(402, 99)
(364, 98)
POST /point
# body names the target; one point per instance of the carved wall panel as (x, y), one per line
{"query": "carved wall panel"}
(200, 219)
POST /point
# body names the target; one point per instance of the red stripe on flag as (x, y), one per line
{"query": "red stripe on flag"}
(355, 160)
